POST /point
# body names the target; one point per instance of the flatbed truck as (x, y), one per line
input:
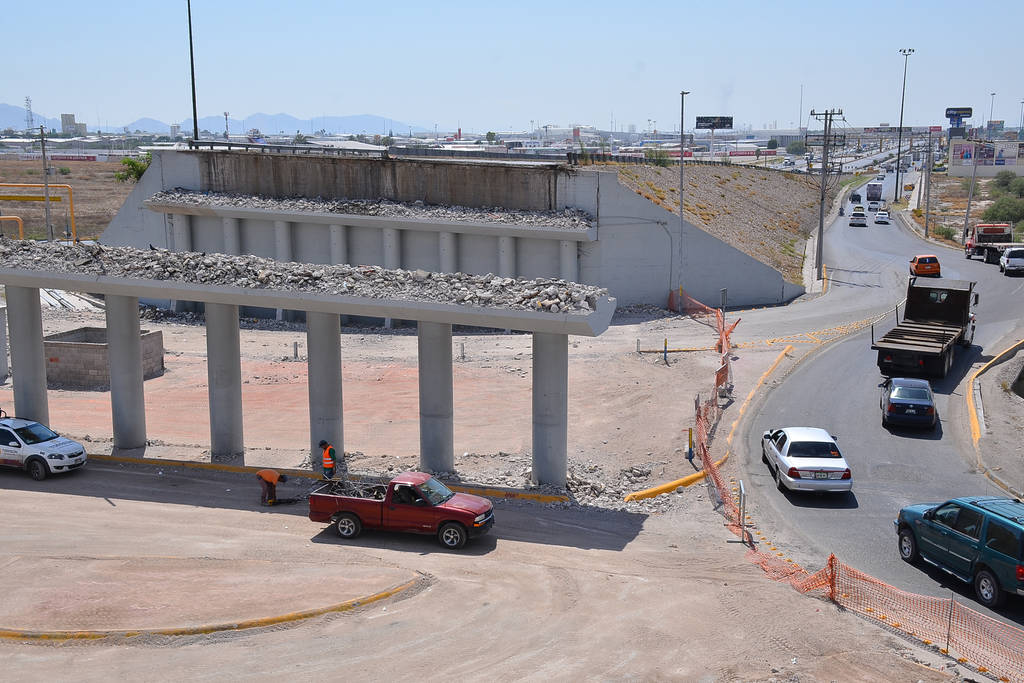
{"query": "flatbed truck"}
(936, 318)
(990, 240)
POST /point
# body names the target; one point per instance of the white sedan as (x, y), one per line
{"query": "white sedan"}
(882, 217)
(805, 459)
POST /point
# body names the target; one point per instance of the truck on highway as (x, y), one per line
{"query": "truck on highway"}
(936, 318)
(990, 240)
(412, 502)
(873, 191)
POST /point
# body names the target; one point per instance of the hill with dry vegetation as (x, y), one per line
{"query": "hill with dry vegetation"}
(766, 214)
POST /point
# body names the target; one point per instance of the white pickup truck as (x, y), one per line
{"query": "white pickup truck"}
(34, 447)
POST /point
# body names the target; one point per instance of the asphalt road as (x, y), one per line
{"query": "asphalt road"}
(838, 389)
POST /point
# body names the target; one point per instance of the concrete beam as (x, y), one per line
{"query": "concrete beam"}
(224, 376)
(181, 240)
(437, 433)
(232, 236)
(588, 324)
(124, 351)
(326, 419)
(550, 408)
(448, 252)
(30, 399)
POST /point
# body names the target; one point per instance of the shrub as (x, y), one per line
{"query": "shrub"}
(1006, 209)
(945, 232)
(64, 170)
(1003, 179)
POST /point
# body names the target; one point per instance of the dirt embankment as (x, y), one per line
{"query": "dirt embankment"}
(765, 214)
(97, 196)
(949, 204)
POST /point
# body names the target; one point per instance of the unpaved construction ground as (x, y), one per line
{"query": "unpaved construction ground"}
(590, 589)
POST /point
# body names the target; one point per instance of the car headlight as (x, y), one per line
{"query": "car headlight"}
(480, 518)
(55, 456)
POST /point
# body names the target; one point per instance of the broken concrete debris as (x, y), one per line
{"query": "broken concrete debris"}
(254, 272)
(566, 219)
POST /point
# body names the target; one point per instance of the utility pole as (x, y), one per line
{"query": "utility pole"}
(928, 188)
(827, 115)
(970, 194)
(46, 181)
(192, 65)
(906, 52)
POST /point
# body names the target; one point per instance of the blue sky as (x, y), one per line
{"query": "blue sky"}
(497, 66)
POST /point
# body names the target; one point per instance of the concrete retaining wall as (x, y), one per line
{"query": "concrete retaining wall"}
(638, 250)
(79, 359)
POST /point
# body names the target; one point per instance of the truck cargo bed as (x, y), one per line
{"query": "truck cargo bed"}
(918, 336)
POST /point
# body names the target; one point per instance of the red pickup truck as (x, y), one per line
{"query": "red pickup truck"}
(412, 502)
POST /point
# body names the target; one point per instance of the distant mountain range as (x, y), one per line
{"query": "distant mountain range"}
(14, 117)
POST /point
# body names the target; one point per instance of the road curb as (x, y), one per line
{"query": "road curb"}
(290, 617)
(486, 491)
(974, 408)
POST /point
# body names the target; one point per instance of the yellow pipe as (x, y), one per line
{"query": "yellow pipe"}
(71, 200)
(21, 225)
(673, 485)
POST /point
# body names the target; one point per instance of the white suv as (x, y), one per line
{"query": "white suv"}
(1012, 261)
(34, 447)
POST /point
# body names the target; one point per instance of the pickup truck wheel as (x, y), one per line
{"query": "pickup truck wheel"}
(37, 469)
(907, 545)
(986, 587)
(347, 525)
(452, 535)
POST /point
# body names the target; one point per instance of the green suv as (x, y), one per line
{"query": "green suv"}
(978, 540)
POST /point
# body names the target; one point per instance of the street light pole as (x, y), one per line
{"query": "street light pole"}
(906, 52)
(682, 176)
(991, 109)
(1020, 131)
(192, 64)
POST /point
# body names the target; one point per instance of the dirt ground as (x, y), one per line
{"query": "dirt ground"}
(591, 589)
(1003, 407)
(97, 196)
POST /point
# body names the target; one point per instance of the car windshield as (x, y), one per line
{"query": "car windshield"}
(35, 433)
(915, 393)
(813, 449)
(435, 492)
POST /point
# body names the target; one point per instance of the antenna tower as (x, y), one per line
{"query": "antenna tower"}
(29, 120)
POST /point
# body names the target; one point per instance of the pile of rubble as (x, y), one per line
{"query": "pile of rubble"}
(253, 272)
(567, 219)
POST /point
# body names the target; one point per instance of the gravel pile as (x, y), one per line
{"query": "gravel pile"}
(253, 272)
(567, 219)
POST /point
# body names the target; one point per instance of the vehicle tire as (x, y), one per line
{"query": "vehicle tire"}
(778, 480)
(764, 455)
(907, 545)
(37, 469)
(347, 525)
(885, 423)
(967, 255)
(1001, 269)
(986, 587)
(452, 535)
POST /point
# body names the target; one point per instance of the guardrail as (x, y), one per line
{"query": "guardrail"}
(269, 148)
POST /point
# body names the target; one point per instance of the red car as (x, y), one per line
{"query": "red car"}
(412, 502)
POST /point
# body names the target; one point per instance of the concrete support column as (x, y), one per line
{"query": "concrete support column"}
(437, 440)
(326, 421)
(124, 346)
(232, 236)
(224, 376)
(5, 369)
(282, 249)
(507, 256)
(27, 357)
(568, 267)
(181, 240)
(339, 244)
(448, 251)
(181, 232)
(550, 407)
(392, 255)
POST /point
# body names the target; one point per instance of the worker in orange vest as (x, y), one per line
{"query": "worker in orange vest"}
(269, 479)
(328, 459)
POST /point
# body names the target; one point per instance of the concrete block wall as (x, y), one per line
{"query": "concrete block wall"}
(638, 250)
(79, 359)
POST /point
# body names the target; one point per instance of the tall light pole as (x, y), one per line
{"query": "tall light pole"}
(906, 52)
(192, 64)
(991, 108)
(1020, 131)
(682, 175)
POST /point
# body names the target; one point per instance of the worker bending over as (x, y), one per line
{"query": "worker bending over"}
(269, 479)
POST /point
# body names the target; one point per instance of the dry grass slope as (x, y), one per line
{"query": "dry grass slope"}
(765, 214)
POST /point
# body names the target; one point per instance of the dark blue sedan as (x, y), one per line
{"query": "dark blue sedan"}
(908, 402)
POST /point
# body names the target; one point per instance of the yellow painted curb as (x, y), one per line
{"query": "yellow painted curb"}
(697, 476)
(972, 413)
(346, 606)
(244, 469)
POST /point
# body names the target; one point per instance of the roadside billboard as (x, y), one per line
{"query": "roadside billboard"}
(714, 122)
